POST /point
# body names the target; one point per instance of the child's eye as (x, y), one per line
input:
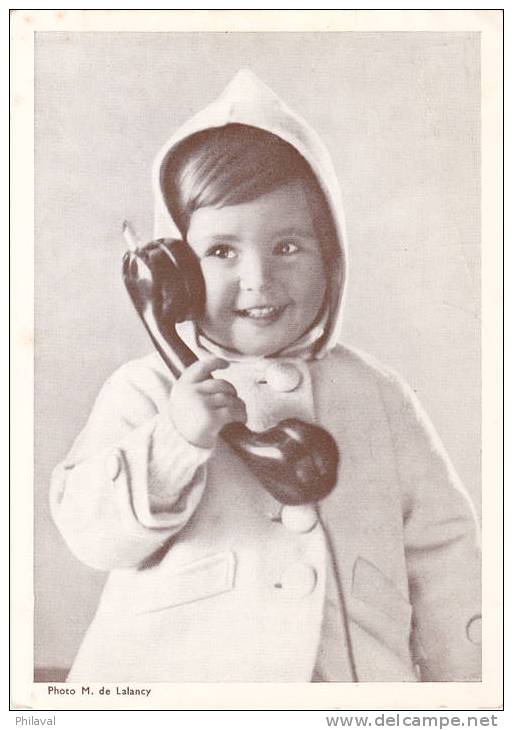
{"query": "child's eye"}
(221, 251)
(286, 248)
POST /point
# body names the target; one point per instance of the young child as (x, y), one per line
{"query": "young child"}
(211, 578)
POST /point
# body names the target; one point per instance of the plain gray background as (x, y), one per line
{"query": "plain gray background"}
(400, 114)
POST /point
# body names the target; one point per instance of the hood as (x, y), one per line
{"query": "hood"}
(247, 100)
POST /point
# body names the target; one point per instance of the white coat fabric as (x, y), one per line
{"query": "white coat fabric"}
(211, 579)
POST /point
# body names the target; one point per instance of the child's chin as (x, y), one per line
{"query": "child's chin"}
(259, 343)
(258, 347)
(259, 351)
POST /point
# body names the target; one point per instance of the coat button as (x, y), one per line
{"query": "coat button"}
(113, 465)
(474, 630)
(283, 376)
(300, 518)
(298, 581)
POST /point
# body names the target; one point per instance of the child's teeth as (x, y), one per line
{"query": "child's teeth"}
(260, 311)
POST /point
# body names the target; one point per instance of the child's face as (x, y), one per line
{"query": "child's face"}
(263, 270)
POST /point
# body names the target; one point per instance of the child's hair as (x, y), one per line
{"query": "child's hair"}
(236, 164)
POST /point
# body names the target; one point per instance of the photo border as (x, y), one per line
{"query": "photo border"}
(486, 694)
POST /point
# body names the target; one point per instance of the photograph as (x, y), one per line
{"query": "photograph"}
(257, 362)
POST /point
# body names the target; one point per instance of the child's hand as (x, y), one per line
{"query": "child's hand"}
(200, 406)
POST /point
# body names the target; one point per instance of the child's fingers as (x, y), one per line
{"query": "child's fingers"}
(223, 399)
(233, 411)
(201, 370)
(213, 385)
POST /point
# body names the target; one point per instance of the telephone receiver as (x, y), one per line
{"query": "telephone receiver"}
(296, 461)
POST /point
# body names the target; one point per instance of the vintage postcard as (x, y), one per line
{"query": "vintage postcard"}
(256, 413)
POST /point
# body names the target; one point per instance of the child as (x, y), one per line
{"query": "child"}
(211, 578)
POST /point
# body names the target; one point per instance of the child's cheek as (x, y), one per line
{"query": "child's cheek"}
(219, 295)
(311, 272)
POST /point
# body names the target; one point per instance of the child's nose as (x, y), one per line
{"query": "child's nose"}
(255, 273)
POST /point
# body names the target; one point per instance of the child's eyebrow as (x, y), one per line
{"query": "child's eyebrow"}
(295, 231)
(218, 238)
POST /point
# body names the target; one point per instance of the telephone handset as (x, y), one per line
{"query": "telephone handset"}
(296, 461)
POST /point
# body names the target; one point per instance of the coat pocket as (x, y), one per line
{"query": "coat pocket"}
(201, 579)
(375, 589)
(380, 619)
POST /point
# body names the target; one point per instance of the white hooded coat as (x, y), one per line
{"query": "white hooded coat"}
(210, 578)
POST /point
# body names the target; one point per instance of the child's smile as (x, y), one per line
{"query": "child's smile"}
(263, 270)
(263, 314)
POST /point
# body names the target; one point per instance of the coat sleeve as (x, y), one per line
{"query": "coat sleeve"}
(130, 481)
(441, 547)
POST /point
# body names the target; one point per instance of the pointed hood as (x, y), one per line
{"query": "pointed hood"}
(247, 100)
